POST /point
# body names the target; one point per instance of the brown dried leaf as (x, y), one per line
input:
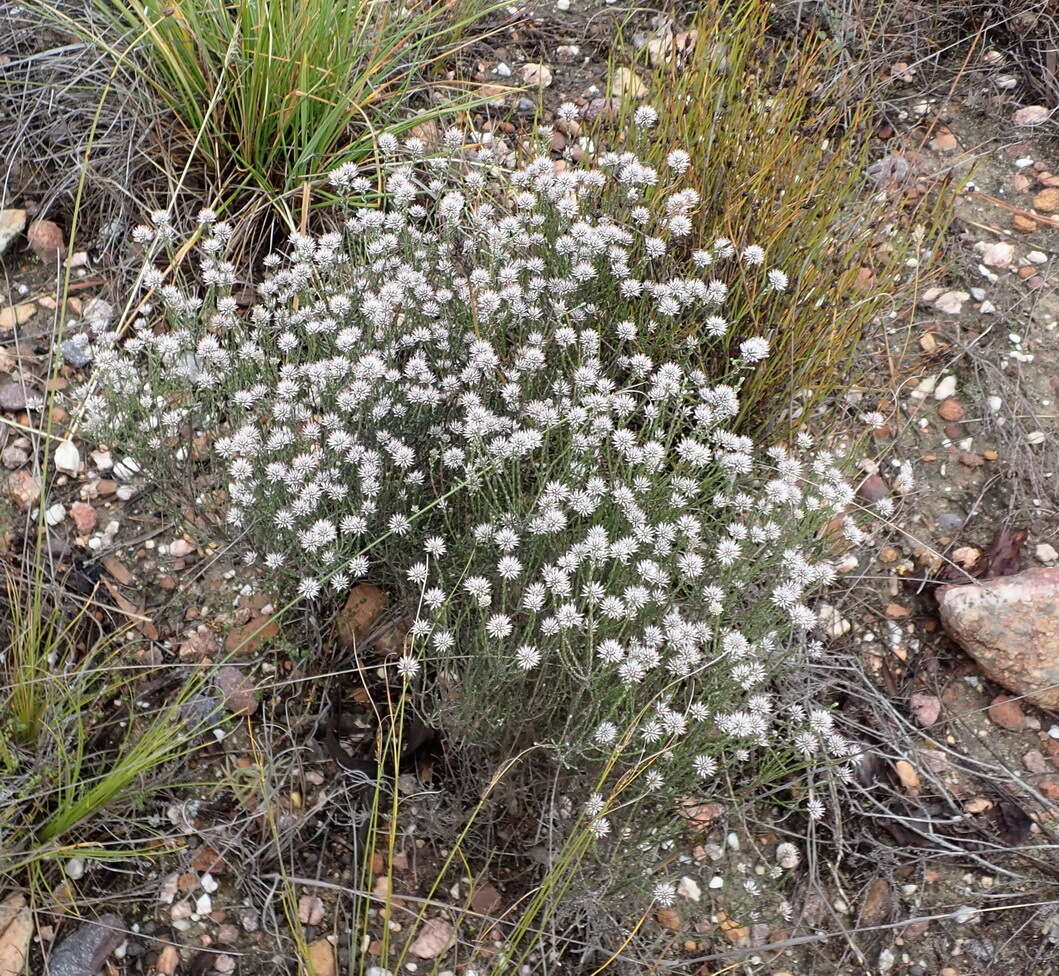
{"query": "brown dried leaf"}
(669, 918)
(14, 940)
(875, 909)
(321, 958)
(167, 961)
(1003, 557)
(907, 774)
(118, 570)
(9, 908)
(356, 618)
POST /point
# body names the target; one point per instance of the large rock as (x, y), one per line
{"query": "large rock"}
(1010, 626)
(83, 952)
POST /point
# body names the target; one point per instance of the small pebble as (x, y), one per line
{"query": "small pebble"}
(126, 469)
(75, 868)
(1046, 553)
(14, 457)
(945, 388)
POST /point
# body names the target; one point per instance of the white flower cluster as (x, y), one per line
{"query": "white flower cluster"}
(463, 395)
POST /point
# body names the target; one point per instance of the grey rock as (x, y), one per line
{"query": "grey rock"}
(603, 109)
(13, 457)
(17, 396)
(980, 949)
(201, 712)
(237, 688)
(12, 396)
(950, 522)
(84, 951)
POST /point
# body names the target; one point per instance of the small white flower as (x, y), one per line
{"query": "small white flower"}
(645, 117)
(665, 893)
(754, 350)
(678, 161)
(705, 766)
(753, 255)
(600, 827)
(527, 657)
(499, 626)
(408, 667)
(777, 280)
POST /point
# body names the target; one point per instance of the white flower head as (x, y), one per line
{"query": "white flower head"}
(645, 117)
(678, 161)
(755, 349)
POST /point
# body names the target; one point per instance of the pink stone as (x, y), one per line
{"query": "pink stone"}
(1010, 626)
(84, 516)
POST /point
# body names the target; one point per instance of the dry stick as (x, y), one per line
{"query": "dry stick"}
(1032, 215)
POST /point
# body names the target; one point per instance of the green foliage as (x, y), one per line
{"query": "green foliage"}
(272, 93)
(74, 742)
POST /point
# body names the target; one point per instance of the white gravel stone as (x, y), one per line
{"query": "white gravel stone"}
(689, 888)
(1046, 553)
(67, 458)
(75, 868)
(946, 388)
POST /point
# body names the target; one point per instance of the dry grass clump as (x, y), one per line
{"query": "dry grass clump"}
(779, 154)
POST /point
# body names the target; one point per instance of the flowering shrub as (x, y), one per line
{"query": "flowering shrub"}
(452, 397)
